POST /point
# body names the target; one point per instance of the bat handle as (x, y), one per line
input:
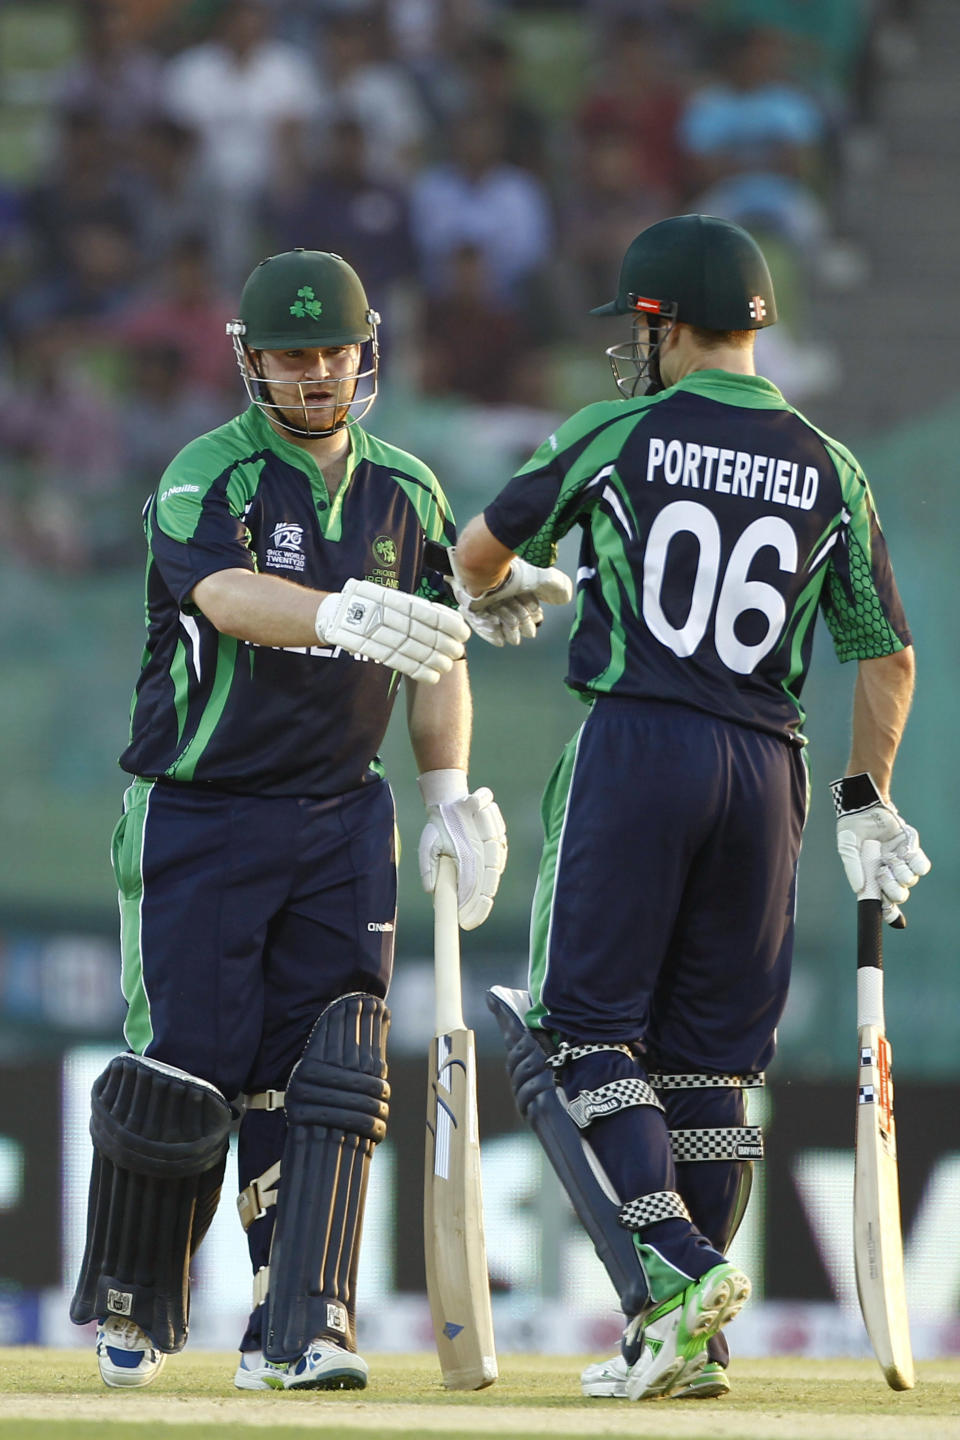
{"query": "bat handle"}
(870, 941)
(446, 949)
(869, 934)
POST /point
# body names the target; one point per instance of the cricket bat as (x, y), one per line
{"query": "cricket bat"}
(877, 1237)
(458, 1285)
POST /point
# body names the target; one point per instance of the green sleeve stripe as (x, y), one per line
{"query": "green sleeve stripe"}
(616, 582)
(180, 678)
(185, 766)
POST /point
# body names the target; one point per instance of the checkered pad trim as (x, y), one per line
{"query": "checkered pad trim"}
(739, 1142)
(591, 1105)
(648, 1209)
(661, 1081)
(576, 1052)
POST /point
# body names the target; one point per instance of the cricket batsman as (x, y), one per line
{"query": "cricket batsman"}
(716, 523)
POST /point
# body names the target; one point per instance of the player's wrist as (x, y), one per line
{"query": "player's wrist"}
(443, 787)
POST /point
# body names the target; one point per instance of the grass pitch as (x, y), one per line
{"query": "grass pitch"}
(57, 1395)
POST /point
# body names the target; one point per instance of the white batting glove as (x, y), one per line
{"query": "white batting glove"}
(862, 814)
(470, 828)
(511, 611)
(405, 632)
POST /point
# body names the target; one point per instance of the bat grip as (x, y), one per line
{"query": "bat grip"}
(446, 949)
(869, 934)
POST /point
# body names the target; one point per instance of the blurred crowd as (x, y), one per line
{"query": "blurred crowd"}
(482, 164)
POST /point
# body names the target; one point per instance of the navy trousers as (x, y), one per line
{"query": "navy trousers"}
(241, 917)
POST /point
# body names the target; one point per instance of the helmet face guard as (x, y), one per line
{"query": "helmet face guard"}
(353, 394)
(637, 361)
(307, 300)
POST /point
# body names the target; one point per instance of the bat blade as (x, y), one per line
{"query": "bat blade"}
(878, 1243)
(456, 1260)
(458, 1285)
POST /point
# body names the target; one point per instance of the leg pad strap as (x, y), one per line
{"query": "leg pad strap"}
(541, 1106)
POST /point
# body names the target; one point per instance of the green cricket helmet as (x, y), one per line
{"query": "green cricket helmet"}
(695, 269)
(305, 300)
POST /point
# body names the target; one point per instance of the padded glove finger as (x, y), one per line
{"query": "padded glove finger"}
(406, 632)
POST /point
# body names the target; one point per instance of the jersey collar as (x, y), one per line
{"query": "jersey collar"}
(725, 384)
(257, 424)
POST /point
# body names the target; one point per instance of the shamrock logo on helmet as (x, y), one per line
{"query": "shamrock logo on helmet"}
(306, 303)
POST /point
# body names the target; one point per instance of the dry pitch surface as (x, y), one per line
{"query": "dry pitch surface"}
(57, 1395)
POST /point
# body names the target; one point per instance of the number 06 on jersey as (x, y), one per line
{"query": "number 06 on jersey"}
(458, 1285)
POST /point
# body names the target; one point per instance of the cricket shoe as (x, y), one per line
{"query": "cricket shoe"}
(322, 1366)
(608, 1380)
(675, 1334)
(126, 1355)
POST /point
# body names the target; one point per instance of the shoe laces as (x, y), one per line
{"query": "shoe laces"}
(125, 1334)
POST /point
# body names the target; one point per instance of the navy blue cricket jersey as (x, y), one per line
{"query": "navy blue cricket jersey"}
(716, 521)
(307, 720)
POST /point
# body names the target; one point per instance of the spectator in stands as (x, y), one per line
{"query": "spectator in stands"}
(471, 340)
(167, 187)
(325, 196)
(234, 90)
(603, 209)
(115, 76)
(83, 181)
(61, 430)
(476, 198)
(185, 311)
(638, 94)
(362, 82)
(491, 85)
(93, 282)
(755, 142)
(162, 409)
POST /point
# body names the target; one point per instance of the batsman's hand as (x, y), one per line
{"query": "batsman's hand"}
(863, 814)
(470, 828)
(406, 632)
(512, 611)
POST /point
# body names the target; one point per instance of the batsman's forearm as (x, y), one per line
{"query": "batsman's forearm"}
(440, 718)
(482, 560)
(881, 703)
(264, 609)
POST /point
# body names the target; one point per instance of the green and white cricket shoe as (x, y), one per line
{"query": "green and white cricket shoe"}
(675, 1334)
(126, 1355)
(322, 1366)
(607, 1380)
(708, 1384)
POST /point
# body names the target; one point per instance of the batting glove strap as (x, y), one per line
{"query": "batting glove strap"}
(863, 815)
(739, 1142)
(622, 1094)
(405, 632)
(470, 829)
(702, 1080)
(650, 1209)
